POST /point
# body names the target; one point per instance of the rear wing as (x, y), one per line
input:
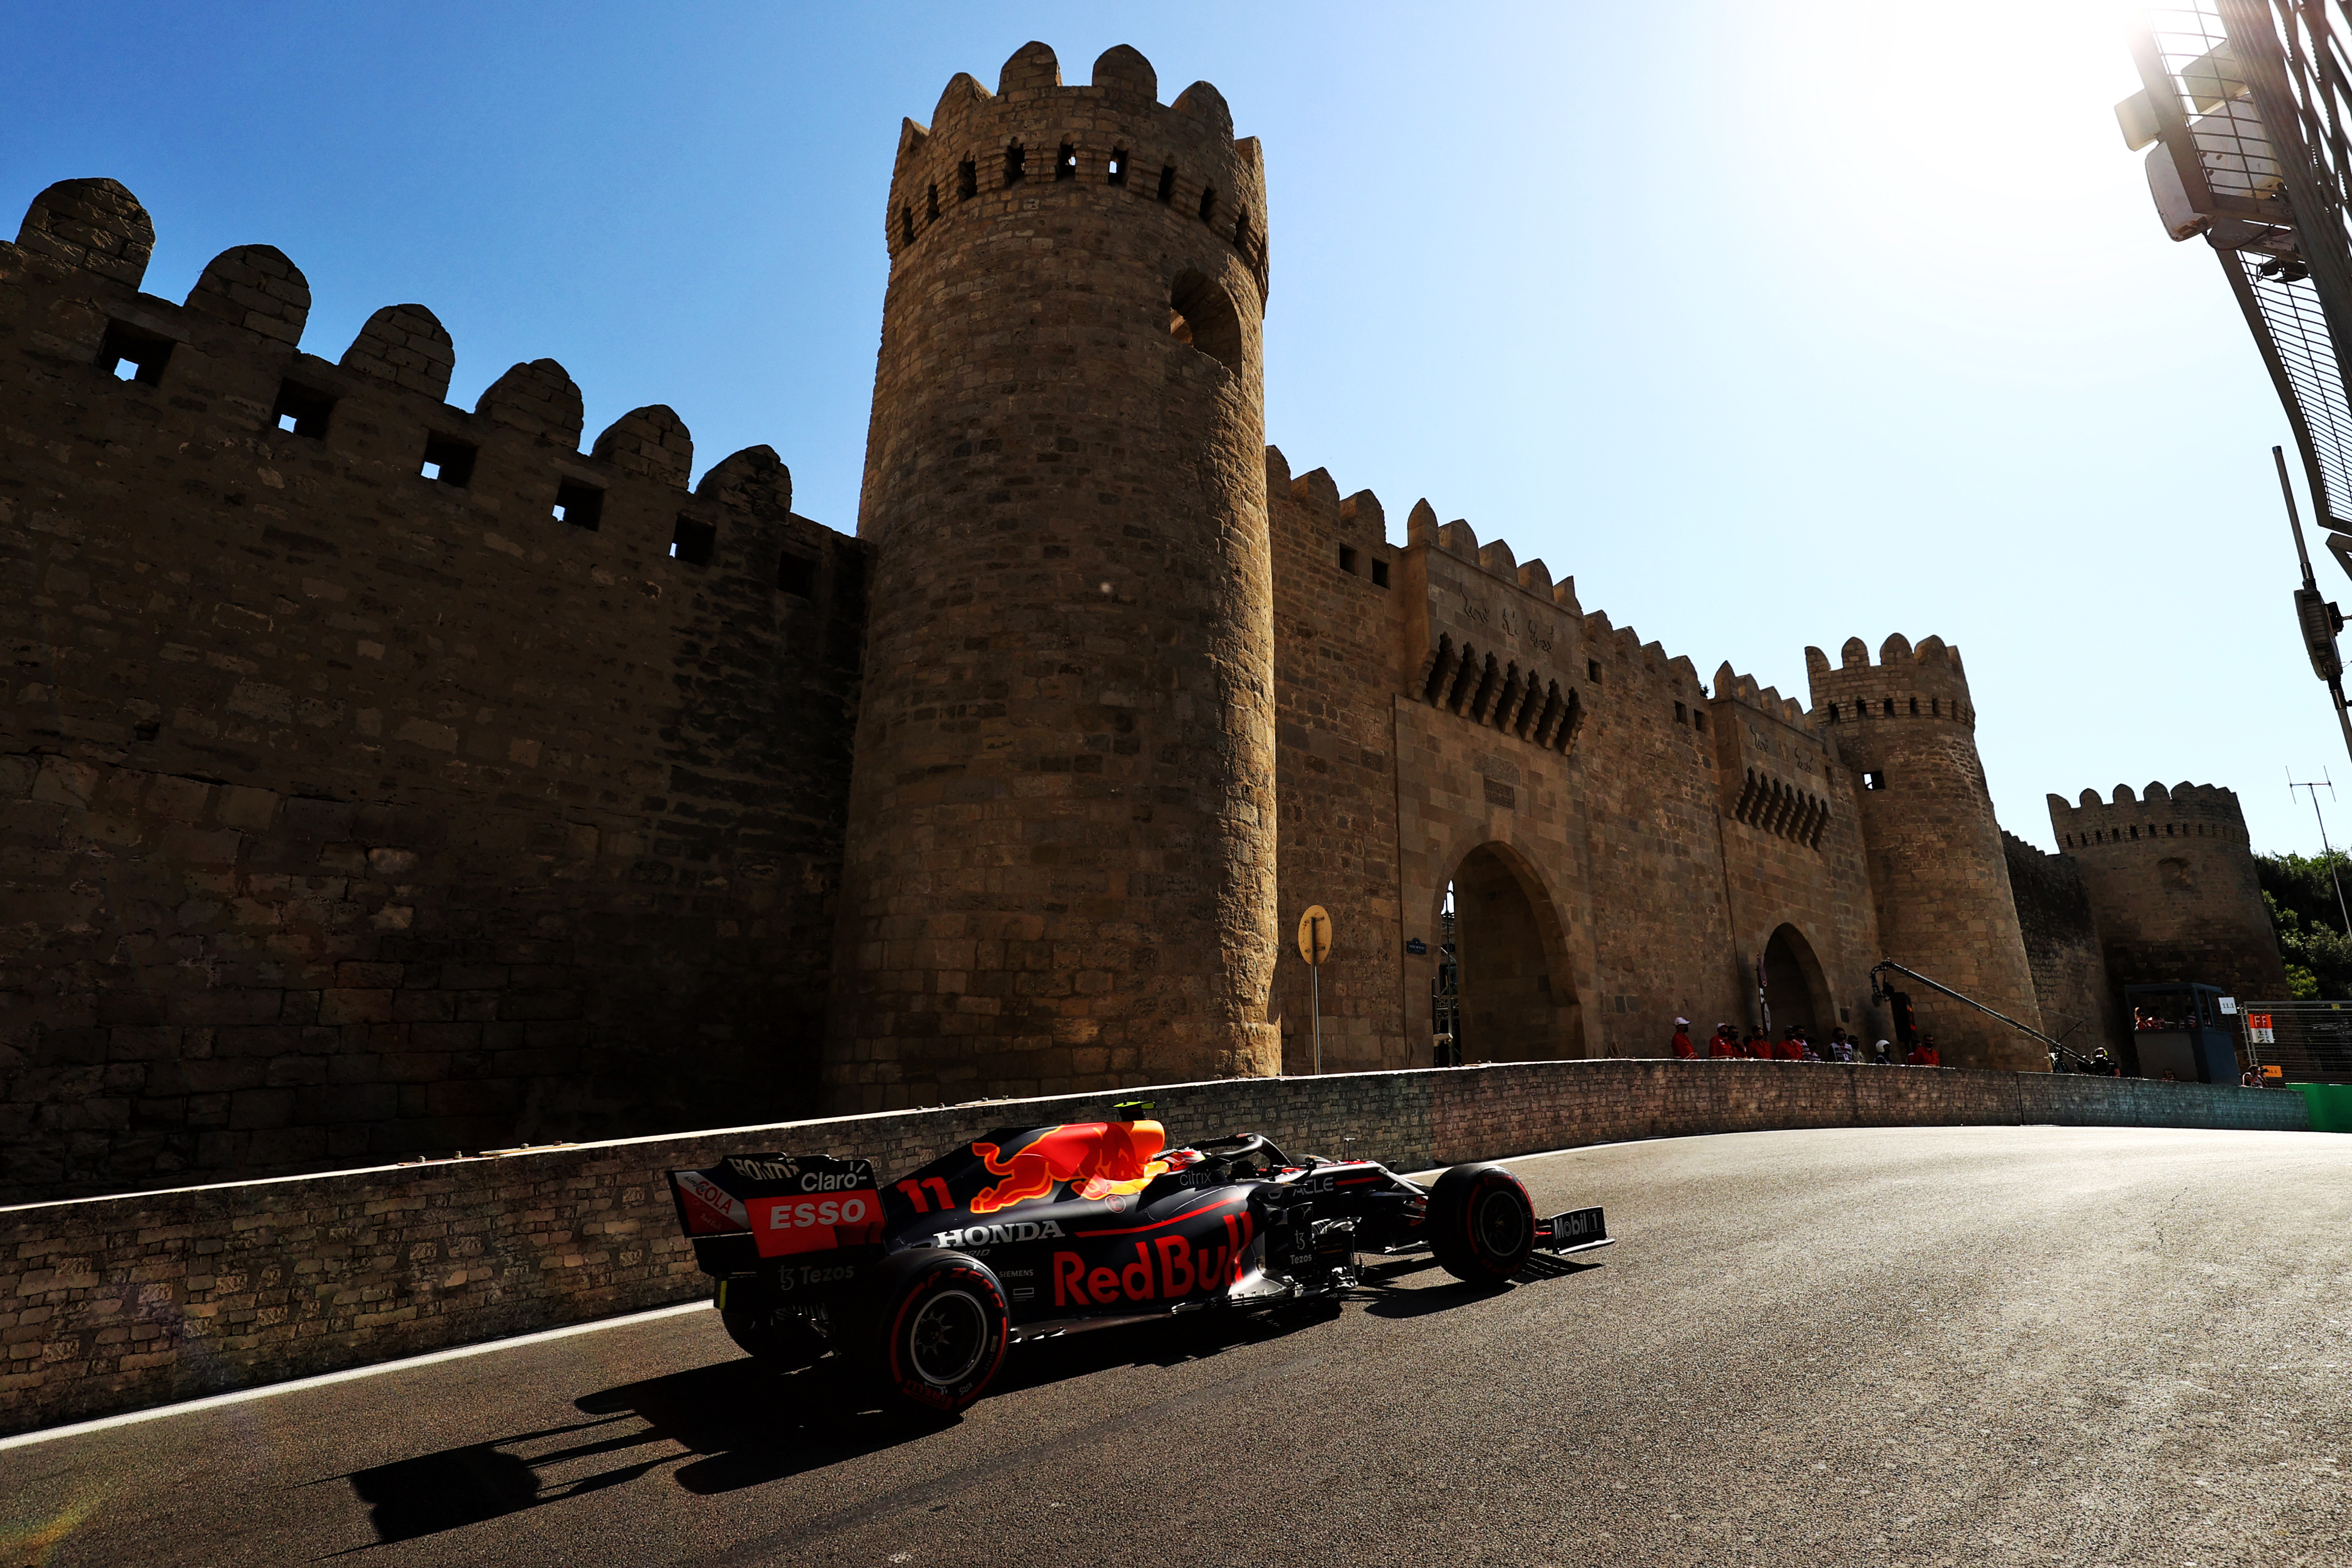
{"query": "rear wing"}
(750, 1208)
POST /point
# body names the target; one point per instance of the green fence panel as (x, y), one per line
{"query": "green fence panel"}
(2331, 1106)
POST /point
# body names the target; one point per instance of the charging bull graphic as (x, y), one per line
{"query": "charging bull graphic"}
(1099, 1158)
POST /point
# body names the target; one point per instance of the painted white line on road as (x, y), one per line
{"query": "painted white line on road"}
(51, 1434)
(1426, 1177)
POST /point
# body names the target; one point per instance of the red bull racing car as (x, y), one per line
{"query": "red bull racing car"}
(921, 1285)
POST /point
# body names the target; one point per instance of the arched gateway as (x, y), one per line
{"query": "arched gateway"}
(1794, 987)
(1517, 999)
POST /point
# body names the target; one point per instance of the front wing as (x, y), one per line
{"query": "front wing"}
(1577, 1231)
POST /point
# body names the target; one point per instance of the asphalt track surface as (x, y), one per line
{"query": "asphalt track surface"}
(1907, 1346)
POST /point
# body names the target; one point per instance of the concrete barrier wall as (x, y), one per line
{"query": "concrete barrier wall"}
(113, 1304)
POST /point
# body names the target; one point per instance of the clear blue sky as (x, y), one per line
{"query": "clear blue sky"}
(1772, 323)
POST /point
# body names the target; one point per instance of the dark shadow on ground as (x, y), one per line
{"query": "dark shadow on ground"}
(1385, 1297)
(744, 1423)
(457, 1487)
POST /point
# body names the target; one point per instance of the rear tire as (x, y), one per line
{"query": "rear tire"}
(1481, 1224)
(935, 1326)
(774, 1338)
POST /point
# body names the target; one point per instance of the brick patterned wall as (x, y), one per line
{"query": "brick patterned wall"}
(2079, 1000)
(1060, 871)
(1335, 642)
(119, 1303)
(1793, 856)
(1938, 876)
(2169, 875)
(347, 814)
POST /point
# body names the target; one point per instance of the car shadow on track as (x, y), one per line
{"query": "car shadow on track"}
(740, 1423)
(1387, 1296)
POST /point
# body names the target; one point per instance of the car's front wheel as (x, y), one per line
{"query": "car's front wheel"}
(1481, 1224)
(935, 1328)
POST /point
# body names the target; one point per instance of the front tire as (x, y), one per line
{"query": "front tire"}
(1481, 1224)
(936, 1327)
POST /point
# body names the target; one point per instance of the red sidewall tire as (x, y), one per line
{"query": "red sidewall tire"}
(1481, 1224)
(940, 1327)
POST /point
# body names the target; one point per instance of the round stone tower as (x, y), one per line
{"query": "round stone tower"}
(1938, 873)
(2170, 876)
(1061, 839)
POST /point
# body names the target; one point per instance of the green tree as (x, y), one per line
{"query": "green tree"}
(2299, 890)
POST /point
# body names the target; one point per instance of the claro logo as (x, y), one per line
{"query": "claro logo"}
(853, 1210)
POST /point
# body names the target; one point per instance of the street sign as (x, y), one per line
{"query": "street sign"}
(2229, 1004)
(1315, 934)
(1414, 946)
(1315, 946)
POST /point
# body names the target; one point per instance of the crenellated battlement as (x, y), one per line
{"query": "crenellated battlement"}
(2156, 816)
(1925, 682)
(1036, 140)
(1771, 767)
(1500, 647)
(1730, 686)
(233, 351)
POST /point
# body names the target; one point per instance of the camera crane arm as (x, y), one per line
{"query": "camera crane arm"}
(1877, 995)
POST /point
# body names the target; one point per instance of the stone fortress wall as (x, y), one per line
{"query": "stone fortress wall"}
(2170, 874)
(353, 813)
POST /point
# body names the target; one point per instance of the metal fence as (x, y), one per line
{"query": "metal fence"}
(2308, 1042)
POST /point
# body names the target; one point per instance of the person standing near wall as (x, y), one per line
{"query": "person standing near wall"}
(1682, 1041)
(1725, 1044)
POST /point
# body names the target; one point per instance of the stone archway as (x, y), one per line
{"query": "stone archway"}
(1794, 985)
(1517, 999)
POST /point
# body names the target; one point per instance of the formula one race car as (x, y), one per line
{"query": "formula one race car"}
(920, 1285)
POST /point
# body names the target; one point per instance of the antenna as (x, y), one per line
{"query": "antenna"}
(2324, 848)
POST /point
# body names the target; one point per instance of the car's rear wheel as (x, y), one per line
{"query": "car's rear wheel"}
(935, 1330)
(775, 1337)
(1481, 1224)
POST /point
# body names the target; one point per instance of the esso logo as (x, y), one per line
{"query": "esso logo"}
(800, 1215)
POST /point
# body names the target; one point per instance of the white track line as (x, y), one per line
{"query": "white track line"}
(51, 1434)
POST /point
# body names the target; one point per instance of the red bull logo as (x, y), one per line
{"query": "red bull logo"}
(1098, 1158)
(1166, 1268)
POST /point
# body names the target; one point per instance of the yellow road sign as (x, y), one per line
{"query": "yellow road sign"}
(1314, 935)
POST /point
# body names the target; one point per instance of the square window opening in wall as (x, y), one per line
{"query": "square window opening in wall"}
(1380, 574)
(579, 504)
(448, 459)
(796, 576)
(1682, 714)
(1698, 719)
(130, 354)
(1347, 559)
(1592, 669)
(302, 411)
(1874, 779)
(693, 542)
